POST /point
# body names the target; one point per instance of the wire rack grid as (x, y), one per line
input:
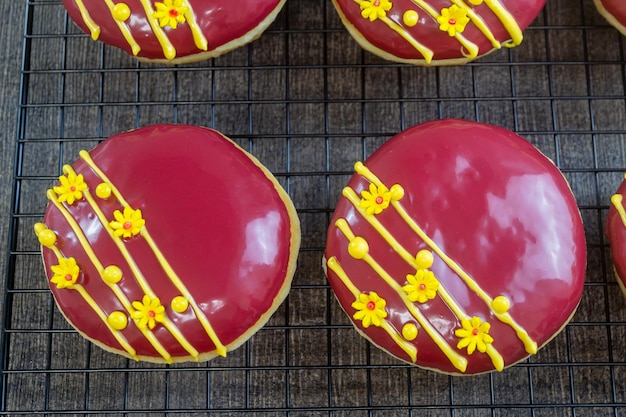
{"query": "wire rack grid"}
(308, 102)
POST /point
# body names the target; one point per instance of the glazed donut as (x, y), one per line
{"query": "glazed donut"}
(457, 247)
(436, 32)
(174, 31)
(614, 11)
(616, 233)
(168, 243)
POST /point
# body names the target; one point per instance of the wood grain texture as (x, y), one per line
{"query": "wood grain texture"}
(308, 102)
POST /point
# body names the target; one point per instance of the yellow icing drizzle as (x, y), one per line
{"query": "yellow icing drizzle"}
(616, 200)
(508, 21)
(529, 344)
(220, 348)
(168, 48)
(409, 348)
(457, 360)
(198, 37)
(123, 28)
(93, 27)
(479, 22)
(427, 53)
(98, 265)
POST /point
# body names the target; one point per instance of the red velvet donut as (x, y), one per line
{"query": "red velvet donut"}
(616, 232)
(438, 32)
(168, 243)
(174, 31)
(458, 247)
(614, 11)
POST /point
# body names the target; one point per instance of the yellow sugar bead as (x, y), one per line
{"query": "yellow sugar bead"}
(409, 331)
(45, 236)
(397, 192)
(179, 304)
(358, 248)
(501, 304)
(121, 12)
(410, 18)
(424, 259)
(112, 274)
(103, 190)
(117, 320)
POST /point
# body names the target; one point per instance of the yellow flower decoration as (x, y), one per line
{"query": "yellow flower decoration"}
(422, 286)
(474, 334)
(65, 273)
(170, 13)
(148, 312)
(376, 199)
(453, 20)
(127, 224)
(71, 188)
(370, 309)
(372, 10)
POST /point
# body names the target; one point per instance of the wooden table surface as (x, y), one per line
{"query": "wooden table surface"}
(308, 102)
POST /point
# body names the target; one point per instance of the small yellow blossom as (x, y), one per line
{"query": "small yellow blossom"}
(127, 224)
(170, 13)
(65, 273)
(376, 199)
(474, 334)
(422, 286)
(453, 20)
(71, 188)
(372, 10)
(148, 312)
(370, 309)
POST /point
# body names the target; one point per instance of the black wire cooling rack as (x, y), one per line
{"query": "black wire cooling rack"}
(308, 102)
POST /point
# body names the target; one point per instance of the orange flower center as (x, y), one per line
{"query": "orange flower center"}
(173, 13)
(371, 305)
(151, 313)
(68, 277)
(128, 225)
(379, 200)
(452, 22)
(475, 332)
(422, 287)
(377, 3)
(72, 188)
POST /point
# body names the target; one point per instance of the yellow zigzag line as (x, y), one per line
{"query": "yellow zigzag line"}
(529, 344)
(220, 348)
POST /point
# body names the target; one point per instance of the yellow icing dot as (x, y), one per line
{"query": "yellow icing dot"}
(121, 12)
(397, 192)
(410, 18)
(117, 320)
(103, 190)
(179, 304)
(46, 236)
(409, 331)
(358, 248)
(112, 274)
(500, 304)
(424, 259)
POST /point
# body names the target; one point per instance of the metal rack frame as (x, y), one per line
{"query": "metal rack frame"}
(308, 114)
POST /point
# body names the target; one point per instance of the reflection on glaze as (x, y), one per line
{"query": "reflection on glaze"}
(490, 260)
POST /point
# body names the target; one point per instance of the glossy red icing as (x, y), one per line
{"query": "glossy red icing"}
(214, 214)
(495, 205)
(614, 11)
(427, 31)
(221, 22)
(616, 232)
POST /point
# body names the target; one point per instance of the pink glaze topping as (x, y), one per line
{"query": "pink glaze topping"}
(215, 216)
(479, 245)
